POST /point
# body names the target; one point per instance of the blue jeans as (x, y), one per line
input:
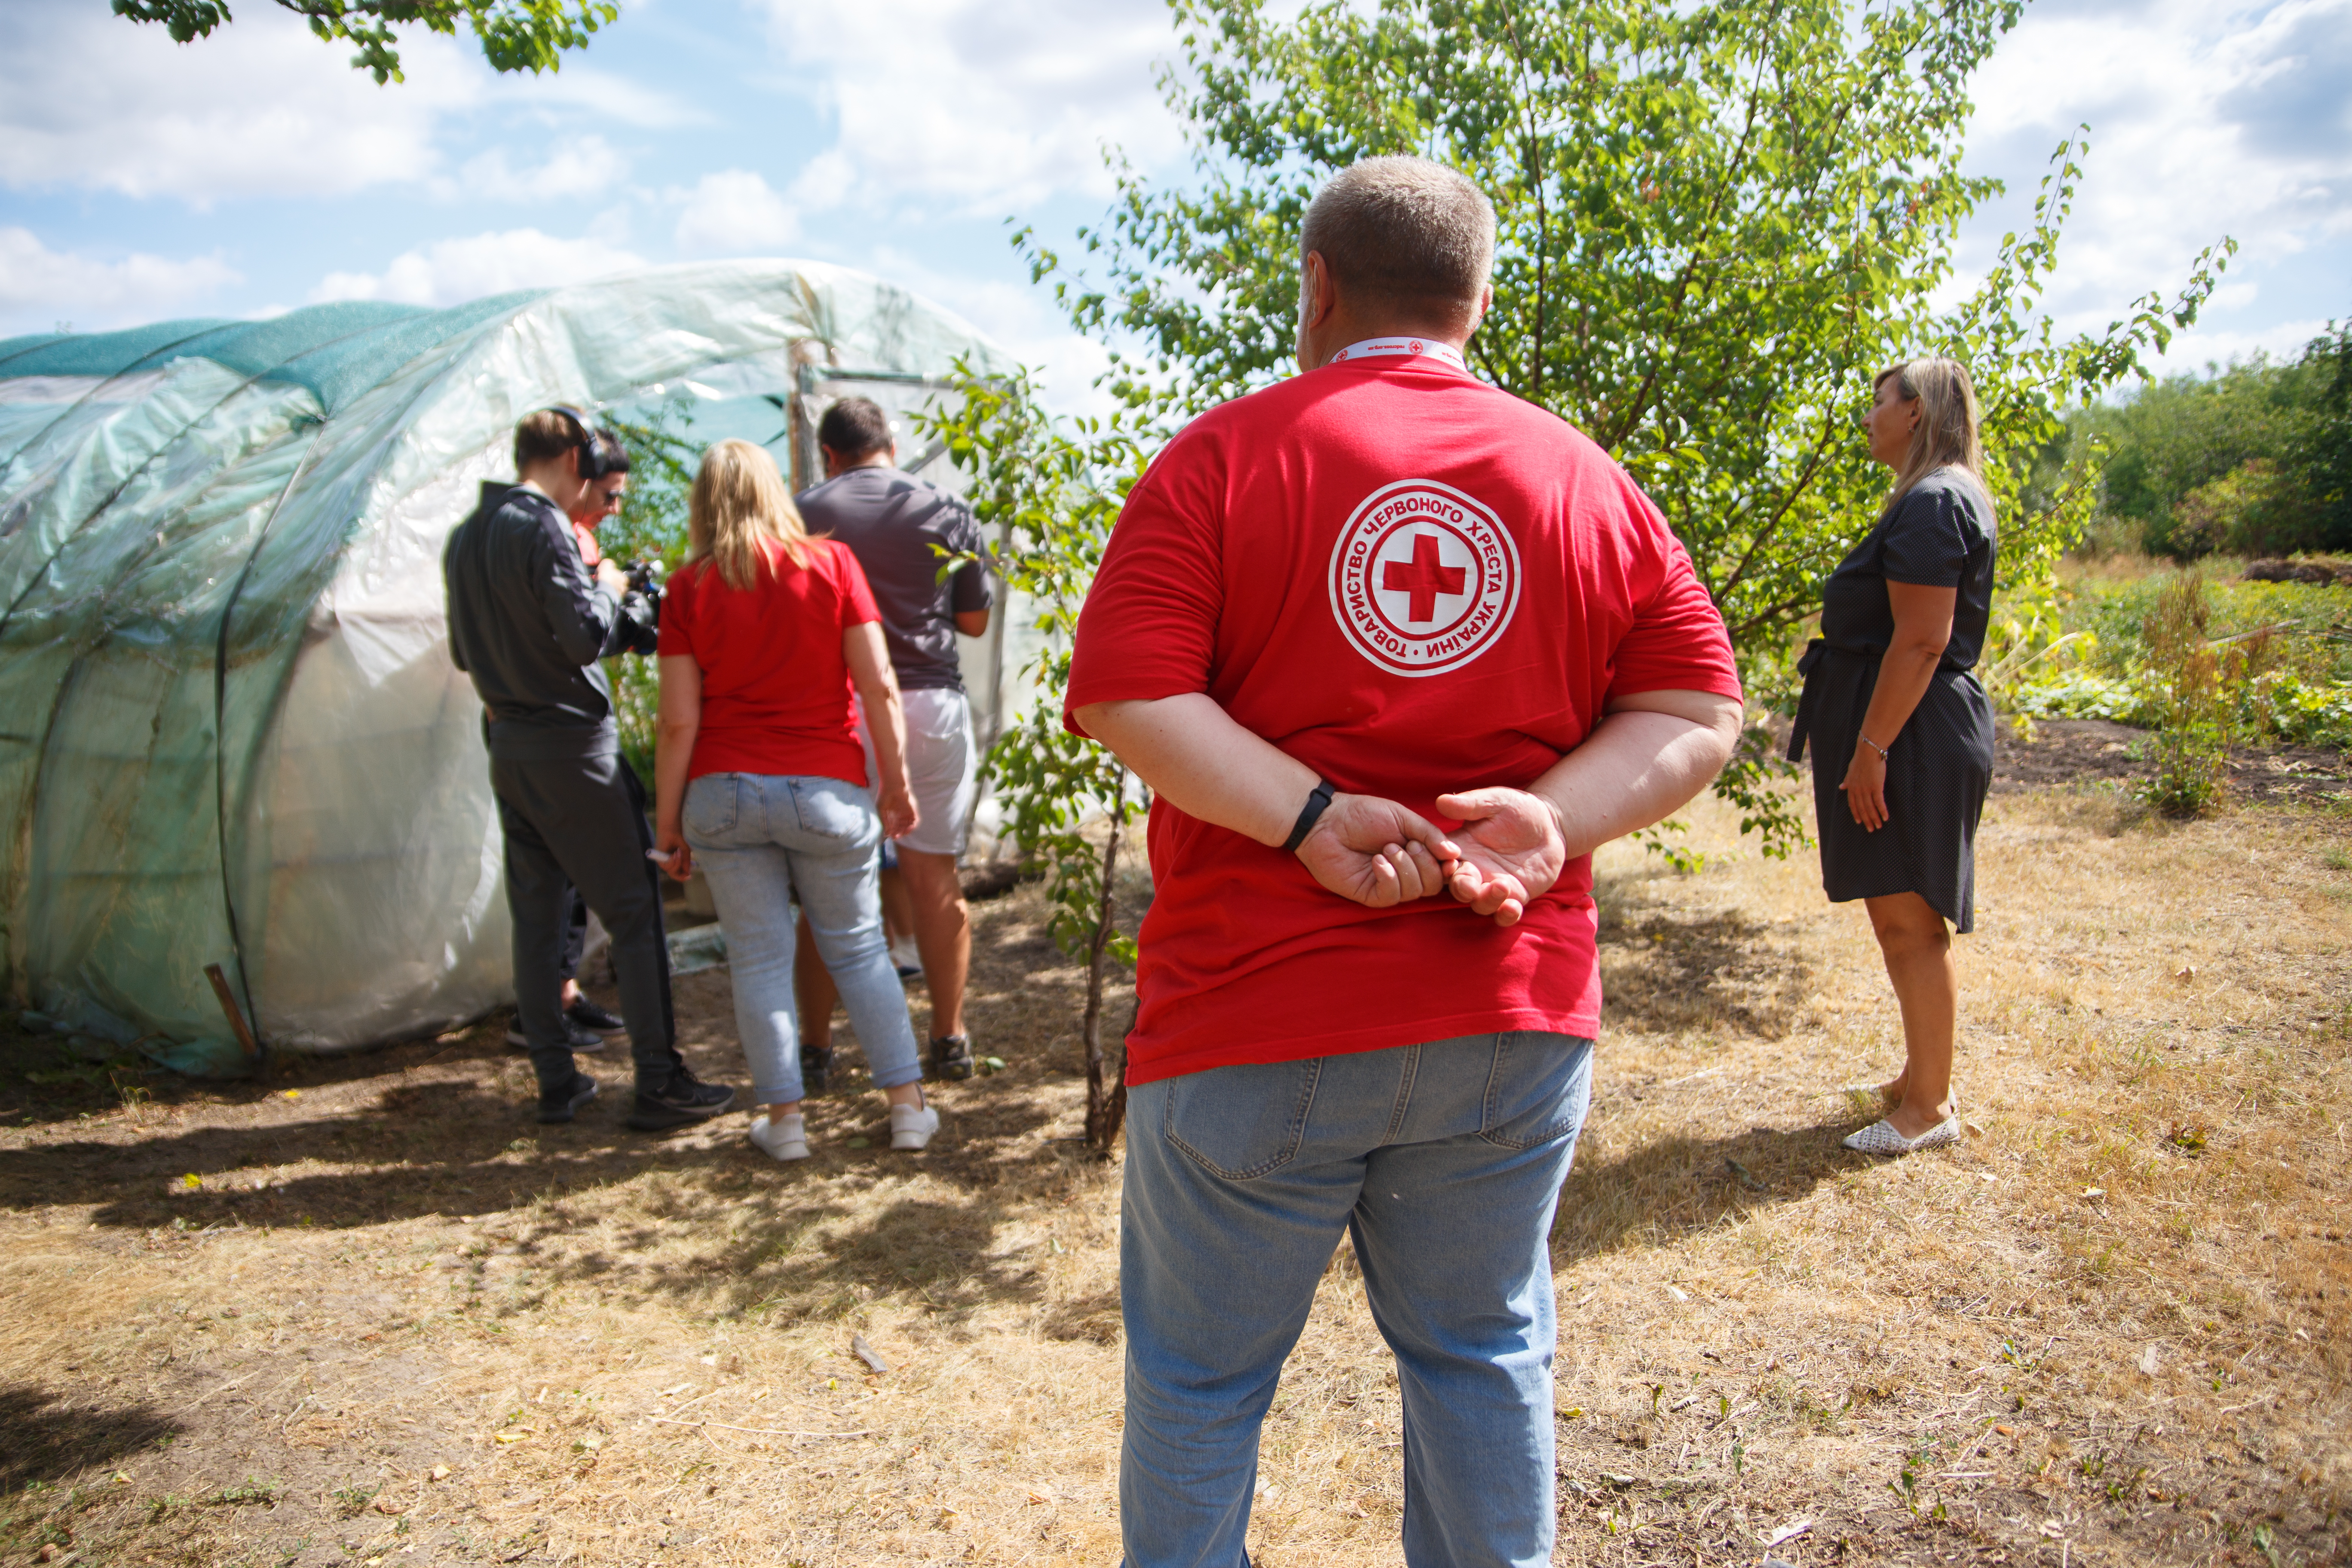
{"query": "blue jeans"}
(760, 839)
(1442, 1163)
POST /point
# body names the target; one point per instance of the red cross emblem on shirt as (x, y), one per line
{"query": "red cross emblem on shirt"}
(1422, 578)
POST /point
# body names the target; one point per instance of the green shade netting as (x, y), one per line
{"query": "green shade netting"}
(229, 729)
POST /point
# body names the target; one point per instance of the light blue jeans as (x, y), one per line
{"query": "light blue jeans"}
(760, 839)
(1444, 1163)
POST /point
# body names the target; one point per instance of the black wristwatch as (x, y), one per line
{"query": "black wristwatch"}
(1307, 815)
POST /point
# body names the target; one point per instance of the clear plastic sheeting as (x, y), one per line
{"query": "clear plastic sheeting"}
(230, 732)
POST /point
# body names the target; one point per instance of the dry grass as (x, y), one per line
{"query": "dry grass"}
(395, 1324)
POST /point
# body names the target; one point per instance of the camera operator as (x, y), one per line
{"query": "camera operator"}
(587, 1026)
(528, 625)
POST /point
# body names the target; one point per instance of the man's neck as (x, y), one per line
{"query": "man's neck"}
(1343, 328)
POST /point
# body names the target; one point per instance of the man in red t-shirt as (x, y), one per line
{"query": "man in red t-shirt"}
(1386, 642)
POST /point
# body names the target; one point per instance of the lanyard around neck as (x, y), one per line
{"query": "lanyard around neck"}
(1374, 348)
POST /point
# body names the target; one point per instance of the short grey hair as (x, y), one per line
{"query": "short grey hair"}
(1404, 233)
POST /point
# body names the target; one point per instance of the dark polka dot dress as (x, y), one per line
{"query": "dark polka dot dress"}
(1939, 535)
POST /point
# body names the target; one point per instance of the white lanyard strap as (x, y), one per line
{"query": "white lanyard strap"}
(1373, 348)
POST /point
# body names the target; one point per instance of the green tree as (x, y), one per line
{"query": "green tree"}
(2322, 455)
(1718, 219)
(515, 34)
(2174, 437)
(1050, 490)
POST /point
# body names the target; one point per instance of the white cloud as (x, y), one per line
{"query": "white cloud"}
(261, 108)
(1018, 316)
(450, 271)
(40, 286)
(2193, 351)
(581, 88)
(984, 105)
(585, 166)
(2206, 119)
(734, 213)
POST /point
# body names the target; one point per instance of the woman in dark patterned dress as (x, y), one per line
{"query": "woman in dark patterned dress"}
(1904, 730)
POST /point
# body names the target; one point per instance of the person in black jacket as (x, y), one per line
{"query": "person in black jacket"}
(528, 626)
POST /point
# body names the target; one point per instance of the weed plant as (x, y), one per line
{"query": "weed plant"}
(2191, 746)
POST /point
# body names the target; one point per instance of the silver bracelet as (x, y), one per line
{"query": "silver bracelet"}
(1874, 746)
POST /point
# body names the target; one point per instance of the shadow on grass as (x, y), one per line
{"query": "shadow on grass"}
(453, 1145)
(49, 1439)
(1681, 1185)
(1665, 969)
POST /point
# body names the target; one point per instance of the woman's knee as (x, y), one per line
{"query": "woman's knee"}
(1907, 925)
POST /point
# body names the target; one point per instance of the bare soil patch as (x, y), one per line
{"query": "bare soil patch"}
(391, 1321)
(2050, 752)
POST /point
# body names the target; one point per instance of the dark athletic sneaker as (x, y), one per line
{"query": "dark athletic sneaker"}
(563, 1104)
(578, 1038)
(681, 1099)
(594, 1019)
(951, 1055)
(816, 1068)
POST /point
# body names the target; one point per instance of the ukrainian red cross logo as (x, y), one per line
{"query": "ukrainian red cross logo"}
(1423, 577)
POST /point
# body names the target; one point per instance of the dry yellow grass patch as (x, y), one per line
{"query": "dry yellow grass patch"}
(394, 1322)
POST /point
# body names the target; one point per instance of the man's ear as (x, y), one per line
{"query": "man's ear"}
(1316, 298)
(1478, 311)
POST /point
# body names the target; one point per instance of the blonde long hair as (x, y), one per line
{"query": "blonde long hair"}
(1947, 435)
(737, 508)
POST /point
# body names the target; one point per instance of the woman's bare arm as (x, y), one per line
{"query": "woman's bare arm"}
(885, 721)
(681, 721)
(1923, 627)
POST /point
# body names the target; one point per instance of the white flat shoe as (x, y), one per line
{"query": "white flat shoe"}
(785, 1139)
(1880, 1138)
(911, 1127)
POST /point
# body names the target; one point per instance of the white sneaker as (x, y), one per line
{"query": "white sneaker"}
(911, 1126)
(783, 1140)
(1880, 1138)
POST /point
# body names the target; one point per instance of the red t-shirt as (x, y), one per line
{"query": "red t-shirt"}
(775, 686)
(1415, 583)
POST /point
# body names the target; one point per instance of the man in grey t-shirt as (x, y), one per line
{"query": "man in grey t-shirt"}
(902, 530)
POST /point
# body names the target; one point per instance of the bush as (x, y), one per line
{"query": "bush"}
(2191, 746)
(2256, 510)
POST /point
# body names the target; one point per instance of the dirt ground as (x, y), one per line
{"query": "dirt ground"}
(368, 1312)
(2059, 752)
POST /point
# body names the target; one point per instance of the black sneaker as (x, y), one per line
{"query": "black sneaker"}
(563, 1104)
(581, 1040)
(816, 1068)
(951, 1055)
(594, 1019)
(681, 1098)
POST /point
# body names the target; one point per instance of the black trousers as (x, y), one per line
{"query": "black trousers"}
(580, 823)
(575, 937)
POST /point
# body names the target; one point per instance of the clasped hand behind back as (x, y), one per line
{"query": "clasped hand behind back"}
(1508, 852)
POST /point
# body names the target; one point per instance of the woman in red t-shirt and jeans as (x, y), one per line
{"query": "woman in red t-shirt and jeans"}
(761, 778)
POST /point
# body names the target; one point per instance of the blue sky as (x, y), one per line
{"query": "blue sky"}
(254, 171)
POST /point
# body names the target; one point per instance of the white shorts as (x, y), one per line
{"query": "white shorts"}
(943, 764)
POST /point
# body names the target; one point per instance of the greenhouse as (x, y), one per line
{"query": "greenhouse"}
(231, 737)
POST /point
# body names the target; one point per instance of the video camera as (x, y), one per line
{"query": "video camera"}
(641, 606)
